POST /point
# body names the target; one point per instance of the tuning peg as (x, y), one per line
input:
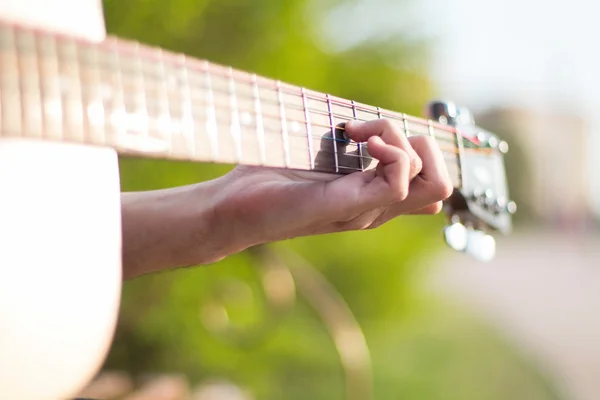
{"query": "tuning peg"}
(456, 236)
(447, 112)
(480, 245)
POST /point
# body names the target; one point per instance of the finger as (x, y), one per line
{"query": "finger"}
(392, 185)
(390, 132)
(398, 210)
(431, 209)
(434, 183)
(429, 188)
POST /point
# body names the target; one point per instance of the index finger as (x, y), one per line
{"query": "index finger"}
(390, 132)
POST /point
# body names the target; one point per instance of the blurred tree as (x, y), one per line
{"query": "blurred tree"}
(160, 327)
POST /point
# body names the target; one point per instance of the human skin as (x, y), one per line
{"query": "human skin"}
(205, 222)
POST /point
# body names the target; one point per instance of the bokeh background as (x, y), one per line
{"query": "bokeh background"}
(390, 313)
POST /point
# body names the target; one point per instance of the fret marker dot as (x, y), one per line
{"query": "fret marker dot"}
(295, 127)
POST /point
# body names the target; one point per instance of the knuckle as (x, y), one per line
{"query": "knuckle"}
(442, 188)
(400, 192)
(388, 124)
(416, 165)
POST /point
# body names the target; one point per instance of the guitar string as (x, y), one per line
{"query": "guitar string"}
(178, 105)
(322, 98)
(179, 60)
(188, 63)
(331, 115)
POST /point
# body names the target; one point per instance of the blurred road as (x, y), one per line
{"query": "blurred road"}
(543, 293)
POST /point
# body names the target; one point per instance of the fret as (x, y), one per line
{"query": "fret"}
(360, 147)
(70, 89)
(188, 123)
(271, 116)
(157, 101)
(284, 130)
(235, 127)
(405, 124)
(308, 128)
(333, 136)
(114, 96)
(91, 97)
(211, 121)
(260, 129)
(379, 115)
(30, 85)
(200, 98)
(10, 93)
(430, 129)
(460, 157)
(140, 123)
(51, 107)
(416, 128)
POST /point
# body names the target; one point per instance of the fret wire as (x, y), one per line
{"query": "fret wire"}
(165, 121)
(460, 158)
(118, 101)
(10, 95)
(260, 130)
(188, 125)
(405, 122)
(211, 122)
(430, 129)
(235, 119)
(360, 150)
(30, 94)
(74, 108)
(95, 111)
(284, 131)
(308, 130)
(142, 107)
(42, 84)
(379, 113)
(331, 121)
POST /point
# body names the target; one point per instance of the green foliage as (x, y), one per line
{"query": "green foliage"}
(161, 329)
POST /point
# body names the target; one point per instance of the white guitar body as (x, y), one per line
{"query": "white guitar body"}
(60, 242)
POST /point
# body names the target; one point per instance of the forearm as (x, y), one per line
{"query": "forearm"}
(172, 228)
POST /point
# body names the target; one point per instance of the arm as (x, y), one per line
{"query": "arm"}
(205, 222)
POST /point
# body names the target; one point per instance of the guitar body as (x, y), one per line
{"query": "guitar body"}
(60, 242)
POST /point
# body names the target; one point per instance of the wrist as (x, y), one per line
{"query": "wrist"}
(172, 228)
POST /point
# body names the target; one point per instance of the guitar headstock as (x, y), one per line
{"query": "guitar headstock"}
(481, 204)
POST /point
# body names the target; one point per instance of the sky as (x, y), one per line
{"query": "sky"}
(530, 53)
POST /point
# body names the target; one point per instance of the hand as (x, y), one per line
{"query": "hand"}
(260, 205)
(205, 222)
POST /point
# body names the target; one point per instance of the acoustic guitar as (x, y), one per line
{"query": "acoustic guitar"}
(72, 100)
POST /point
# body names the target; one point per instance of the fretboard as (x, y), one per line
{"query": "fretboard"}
(145, 101)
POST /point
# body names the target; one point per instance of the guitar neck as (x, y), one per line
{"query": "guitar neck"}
(148, 102)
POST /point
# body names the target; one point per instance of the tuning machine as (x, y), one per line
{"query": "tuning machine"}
(473, 242)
